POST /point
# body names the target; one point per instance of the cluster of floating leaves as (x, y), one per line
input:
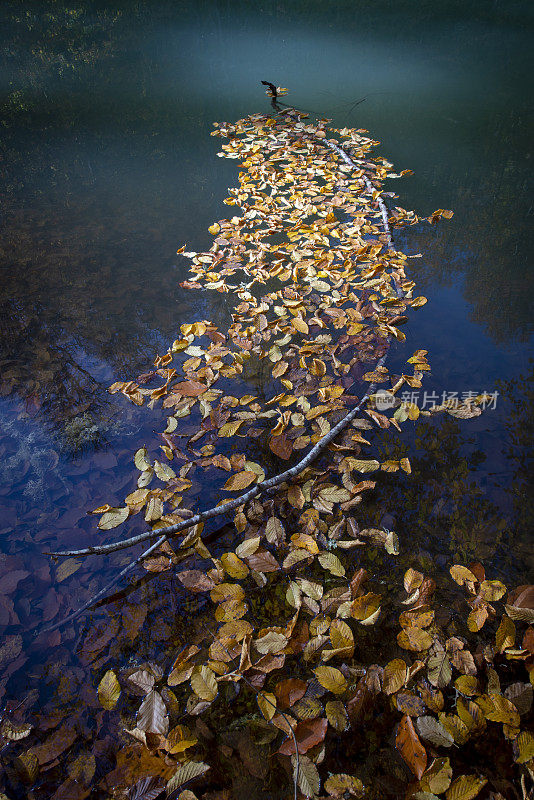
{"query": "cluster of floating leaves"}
(284, 610)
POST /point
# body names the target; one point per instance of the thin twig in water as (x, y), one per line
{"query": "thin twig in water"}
(265, 486)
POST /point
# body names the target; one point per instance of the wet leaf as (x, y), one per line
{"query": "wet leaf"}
(113, 518)
(308, 733)
(109, 690)
(185, 773)
(394, 677)
(408, 703)
(289, 691)
(233, 566)
(492, 590)
(438, 776)
(414, 639)
(505, 635)
(195, 580)
(439, 670)
(241, 480)
(331, 678)
(267, 704)
(337, 785)
(57, 743)
(163, 471)
(521, 695)
(13, 732)
(412, 580)
(337, 715)
(365, 606)
(525, 747)
(203, 683)
(152, 715)
(180, 739)
(332, 563)
(433, 731)
(465, 787)
(462, 575)
(27, 767)
(141, 459)
(67, 568)
(498, 708)
(410, 747)
(307, 776)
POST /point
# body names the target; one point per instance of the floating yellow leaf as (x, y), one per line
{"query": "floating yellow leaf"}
(394, 677)
(462, 575)
(113, 518)
(109, 690)
(267, 704)
(233, 566)
(466, 787)
(203, 683)
(332, 563)
(141, 459)
(414, 639)
(331, 678)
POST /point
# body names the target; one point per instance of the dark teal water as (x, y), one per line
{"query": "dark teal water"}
(107, 167)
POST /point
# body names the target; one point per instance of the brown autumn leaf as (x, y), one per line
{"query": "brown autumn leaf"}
(505, 635)
(281, 446)
(203, 683)
(308, 733)
(408, 703)
(409, 746)
(365, 605)
(195, 580)
(234, 566)
(462, 575)
(331, 678)
(113, 518)
(415, 639)
(267, 704)
(263, 561)
(241, 480)
(338, 785)
(289, 691)
(189, 388)
(412, 580)
(55, 744)
(439, 669)
(394, 676)
(307, 775)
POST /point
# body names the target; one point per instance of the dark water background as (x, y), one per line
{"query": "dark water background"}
(107, 167)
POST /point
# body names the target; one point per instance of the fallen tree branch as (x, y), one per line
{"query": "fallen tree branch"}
(216, 511)
(266, 486)
(103, 592)
(276, 480)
